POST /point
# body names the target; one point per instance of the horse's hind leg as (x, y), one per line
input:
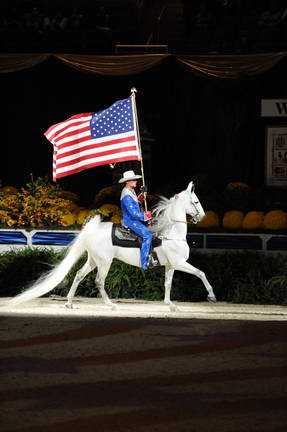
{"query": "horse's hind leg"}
(81, 274)
(103, 269)
(169, 271)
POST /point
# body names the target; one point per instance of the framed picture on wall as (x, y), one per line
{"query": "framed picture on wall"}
(276, 156)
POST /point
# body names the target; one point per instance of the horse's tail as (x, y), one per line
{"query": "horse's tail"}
(50, 280)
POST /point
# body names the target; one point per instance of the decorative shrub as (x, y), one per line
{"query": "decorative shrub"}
(116, 218)
(73, 207)
(81, 216)
(106, 195)
(232, 220)
(237, 196)
(68, 219)
(8, 190)
(110, 210)
(275, 220)
(69, 195)
(254, 288)
(244, 277)
(211, 220)
(36, 205)
(237, 186)
(253, 220)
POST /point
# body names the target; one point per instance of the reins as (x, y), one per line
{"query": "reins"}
(174, 220)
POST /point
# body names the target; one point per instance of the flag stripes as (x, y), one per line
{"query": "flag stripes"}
(91, 139)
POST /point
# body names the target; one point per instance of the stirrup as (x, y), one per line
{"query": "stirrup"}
(152, 262)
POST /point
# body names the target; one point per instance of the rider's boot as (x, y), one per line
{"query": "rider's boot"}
(152, 261)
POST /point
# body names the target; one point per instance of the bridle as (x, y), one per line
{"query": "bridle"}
(194, 218)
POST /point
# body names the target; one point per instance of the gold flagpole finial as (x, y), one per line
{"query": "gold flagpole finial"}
(133, 91)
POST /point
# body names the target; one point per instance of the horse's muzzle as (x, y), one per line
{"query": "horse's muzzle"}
(198, 217)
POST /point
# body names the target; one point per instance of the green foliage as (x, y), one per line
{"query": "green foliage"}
(243, 277)
(255, 289)
(18, 268)
(125, 281)
(87, 287)
(37, 204)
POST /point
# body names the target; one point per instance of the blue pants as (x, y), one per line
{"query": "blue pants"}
(142, 231)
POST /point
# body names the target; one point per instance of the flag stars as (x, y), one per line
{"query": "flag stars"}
(116, 119)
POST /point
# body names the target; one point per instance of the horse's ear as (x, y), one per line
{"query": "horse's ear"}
(190, 187)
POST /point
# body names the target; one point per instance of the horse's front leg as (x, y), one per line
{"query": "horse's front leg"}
(103, 269)
(169, 271)
(188, 268)
(81, 274)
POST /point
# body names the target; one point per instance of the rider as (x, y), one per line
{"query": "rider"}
(133, 217)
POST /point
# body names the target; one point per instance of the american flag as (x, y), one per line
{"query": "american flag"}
(91, 139)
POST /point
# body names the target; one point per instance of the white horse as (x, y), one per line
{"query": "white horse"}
(170, 224)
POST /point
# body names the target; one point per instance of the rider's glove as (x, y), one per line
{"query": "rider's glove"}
(140, 198)
(147, 215)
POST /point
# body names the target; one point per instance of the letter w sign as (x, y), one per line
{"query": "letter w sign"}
(274, 108)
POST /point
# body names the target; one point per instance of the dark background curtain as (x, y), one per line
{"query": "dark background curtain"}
(193, 127)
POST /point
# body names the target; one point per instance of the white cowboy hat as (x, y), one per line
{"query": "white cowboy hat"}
(129, 175)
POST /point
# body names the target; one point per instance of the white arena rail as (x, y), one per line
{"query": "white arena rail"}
(201, 242)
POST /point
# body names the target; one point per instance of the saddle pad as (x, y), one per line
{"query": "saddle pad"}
(124, 237)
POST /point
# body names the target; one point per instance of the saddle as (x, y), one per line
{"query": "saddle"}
(125, 237)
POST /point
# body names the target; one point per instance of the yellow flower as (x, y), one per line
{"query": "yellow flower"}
(116, 219)
(81, 216)
(232, 219)
(253, 220)
(73, 207)
(211, 220)
(275, 220)
(37, 204)
(110, 210)
(68, 219)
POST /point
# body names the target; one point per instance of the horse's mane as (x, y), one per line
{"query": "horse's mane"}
(162, 214)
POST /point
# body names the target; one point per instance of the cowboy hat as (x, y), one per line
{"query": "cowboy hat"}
(129, 175)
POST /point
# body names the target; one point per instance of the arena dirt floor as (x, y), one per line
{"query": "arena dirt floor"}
(208, 367)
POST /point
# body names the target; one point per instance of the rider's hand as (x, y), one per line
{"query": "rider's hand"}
(141, 198)
(147, 215)
(143, 189)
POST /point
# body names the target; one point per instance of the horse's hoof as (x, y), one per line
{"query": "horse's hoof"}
(113, 306)
(69, 305)
(211, 299)
(173, 307)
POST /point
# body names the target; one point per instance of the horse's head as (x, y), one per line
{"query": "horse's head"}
(193, 206)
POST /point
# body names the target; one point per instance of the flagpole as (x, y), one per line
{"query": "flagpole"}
(133, 95)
